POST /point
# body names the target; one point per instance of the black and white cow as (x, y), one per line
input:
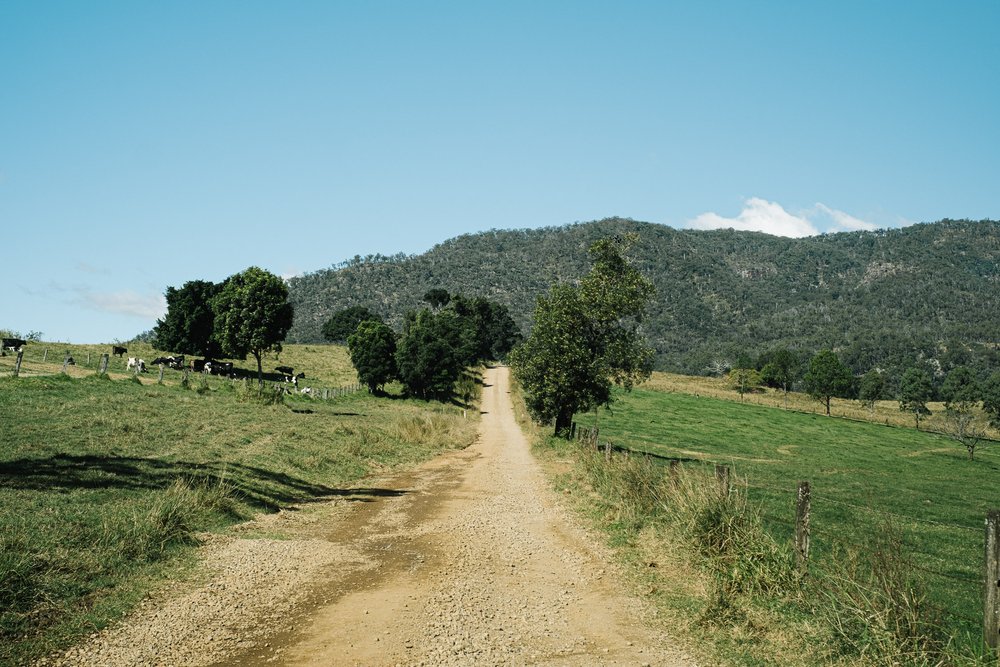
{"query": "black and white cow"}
(135, 363)
(13, 344)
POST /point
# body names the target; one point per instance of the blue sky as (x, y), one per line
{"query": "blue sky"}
(143, 145)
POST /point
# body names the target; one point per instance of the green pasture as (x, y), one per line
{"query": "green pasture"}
(106, 482)
(863, 478)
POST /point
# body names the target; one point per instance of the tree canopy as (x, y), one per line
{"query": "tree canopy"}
(372, 347)
(189, 325)
(915, 391)
(252, 315)
(586, 338)
(344, 322)
(432, 352)
(828, 377)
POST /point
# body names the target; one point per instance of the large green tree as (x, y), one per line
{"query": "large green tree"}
(189, 325)
(373, 352)
(828, 377)
(915, 391)
(496, 333)
(252, 315)
(780, 368)
(344, 322)
(432, 352)
(586, 339)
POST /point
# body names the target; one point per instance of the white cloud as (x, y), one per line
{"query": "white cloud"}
(842, 222)
(760, 215)
(146, 306)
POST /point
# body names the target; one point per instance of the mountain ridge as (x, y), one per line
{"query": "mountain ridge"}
(877, 296)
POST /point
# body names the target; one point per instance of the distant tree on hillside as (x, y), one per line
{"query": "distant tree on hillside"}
(586, 338)
(372, 347)
(252, 315)
(780, 369)
(873, 388)
(915, 391)
(991, 399)
(437, 297)
(189, 325)
(828, 377)
(744, 380)
(961, 393)
(343, 323)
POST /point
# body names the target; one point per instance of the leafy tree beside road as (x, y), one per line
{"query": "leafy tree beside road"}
(252, 315)
(373, 352)
(585, 339)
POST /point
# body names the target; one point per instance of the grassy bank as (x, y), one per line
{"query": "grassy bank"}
(897, 538)
(106, 483)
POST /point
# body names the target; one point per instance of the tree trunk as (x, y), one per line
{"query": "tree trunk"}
(260, 370)
(827, 406)
(564, 422)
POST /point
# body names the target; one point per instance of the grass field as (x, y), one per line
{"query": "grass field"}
(106, 482)
(864, 476)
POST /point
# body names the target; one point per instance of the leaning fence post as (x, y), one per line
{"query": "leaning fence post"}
(103, 366)
(45, 355)
(802, 506)
(991, 597)
(17, 362)
(722, 477)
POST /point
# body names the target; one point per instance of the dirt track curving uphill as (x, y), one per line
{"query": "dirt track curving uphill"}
(466, 560)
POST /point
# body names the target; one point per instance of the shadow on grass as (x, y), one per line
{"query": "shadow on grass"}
(257, 486)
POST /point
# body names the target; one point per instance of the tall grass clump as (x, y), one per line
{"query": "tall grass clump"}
(434, 428)
(250, 392)
(877, 604)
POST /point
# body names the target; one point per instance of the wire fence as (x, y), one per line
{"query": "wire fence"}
(958, 564)
(42, 361)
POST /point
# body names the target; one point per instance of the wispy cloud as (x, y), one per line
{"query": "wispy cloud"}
(760, 215)
(84, 267)
(146, 306)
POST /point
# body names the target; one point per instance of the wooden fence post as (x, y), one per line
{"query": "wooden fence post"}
(991, 597)
(17, 363)
(802, 506)
(103, 366)
(88, 358)
(161, 374)
(45, 355)
(722, 477)
(608, 446)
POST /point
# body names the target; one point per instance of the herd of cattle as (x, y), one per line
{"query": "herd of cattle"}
(138, 365)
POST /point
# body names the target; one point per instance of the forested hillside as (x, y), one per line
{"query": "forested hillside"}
(884, 298)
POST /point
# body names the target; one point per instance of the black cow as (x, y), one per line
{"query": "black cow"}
(13, 344)
(221, 368)
(118, 351)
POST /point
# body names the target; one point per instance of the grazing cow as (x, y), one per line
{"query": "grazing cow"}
(13, 344)
(198, 365)
(220, 368)
(118, 351)
(136, 363)
(171, 361)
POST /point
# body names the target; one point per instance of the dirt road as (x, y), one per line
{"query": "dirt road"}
(468, 560)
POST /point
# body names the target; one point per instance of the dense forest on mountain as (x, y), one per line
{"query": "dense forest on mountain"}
(926, 293)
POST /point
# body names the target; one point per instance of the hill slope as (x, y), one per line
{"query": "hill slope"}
(878, 297)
